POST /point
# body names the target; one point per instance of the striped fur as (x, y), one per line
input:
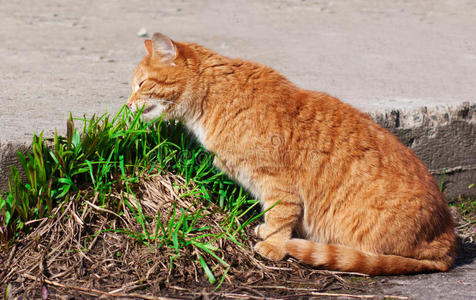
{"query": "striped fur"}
(342, 258)
(359, 199)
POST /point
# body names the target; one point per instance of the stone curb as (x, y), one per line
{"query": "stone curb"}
(443, 137)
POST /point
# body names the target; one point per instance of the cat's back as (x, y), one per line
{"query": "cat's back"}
(263, 107)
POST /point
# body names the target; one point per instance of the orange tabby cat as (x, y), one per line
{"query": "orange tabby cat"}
(360, 199)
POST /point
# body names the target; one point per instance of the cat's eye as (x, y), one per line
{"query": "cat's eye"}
(137, 87)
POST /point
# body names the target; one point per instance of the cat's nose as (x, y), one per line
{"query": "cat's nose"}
(132, 107)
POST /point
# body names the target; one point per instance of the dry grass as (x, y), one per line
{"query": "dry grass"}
(465, 225)
(87, 251)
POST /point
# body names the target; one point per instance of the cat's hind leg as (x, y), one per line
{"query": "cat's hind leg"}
(279, 223)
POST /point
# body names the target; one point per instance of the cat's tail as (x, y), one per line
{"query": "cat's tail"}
(341, 258)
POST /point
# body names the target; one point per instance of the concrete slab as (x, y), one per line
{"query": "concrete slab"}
(382, 56)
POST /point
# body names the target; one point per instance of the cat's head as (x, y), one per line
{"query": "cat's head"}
(162, 82)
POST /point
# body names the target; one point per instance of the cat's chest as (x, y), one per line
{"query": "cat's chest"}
(231, 159)
(198, 131)
(243, 176)
(239, 171)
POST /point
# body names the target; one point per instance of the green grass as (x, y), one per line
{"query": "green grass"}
(467, 207)
(106, 152)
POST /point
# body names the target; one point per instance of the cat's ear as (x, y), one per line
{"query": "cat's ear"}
(163, 48)
(148, 46)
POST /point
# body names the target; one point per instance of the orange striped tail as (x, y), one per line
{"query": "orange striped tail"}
(341, 258)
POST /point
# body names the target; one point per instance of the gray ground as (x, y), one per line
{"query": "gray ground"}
(62, 56)
(459, 283)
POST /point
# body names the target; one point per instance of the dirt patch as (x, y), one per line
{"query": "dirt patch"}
(84, 251)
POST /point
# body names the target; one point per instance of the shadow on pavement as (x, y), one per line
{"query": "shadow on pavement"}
(466, 254)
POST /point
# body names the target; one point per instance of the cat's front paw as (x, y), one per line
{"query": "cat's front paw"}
(260, 231)
(270, 250)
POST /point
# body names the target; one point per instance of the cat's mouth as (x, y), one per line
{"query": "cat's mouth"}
(149, 109)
